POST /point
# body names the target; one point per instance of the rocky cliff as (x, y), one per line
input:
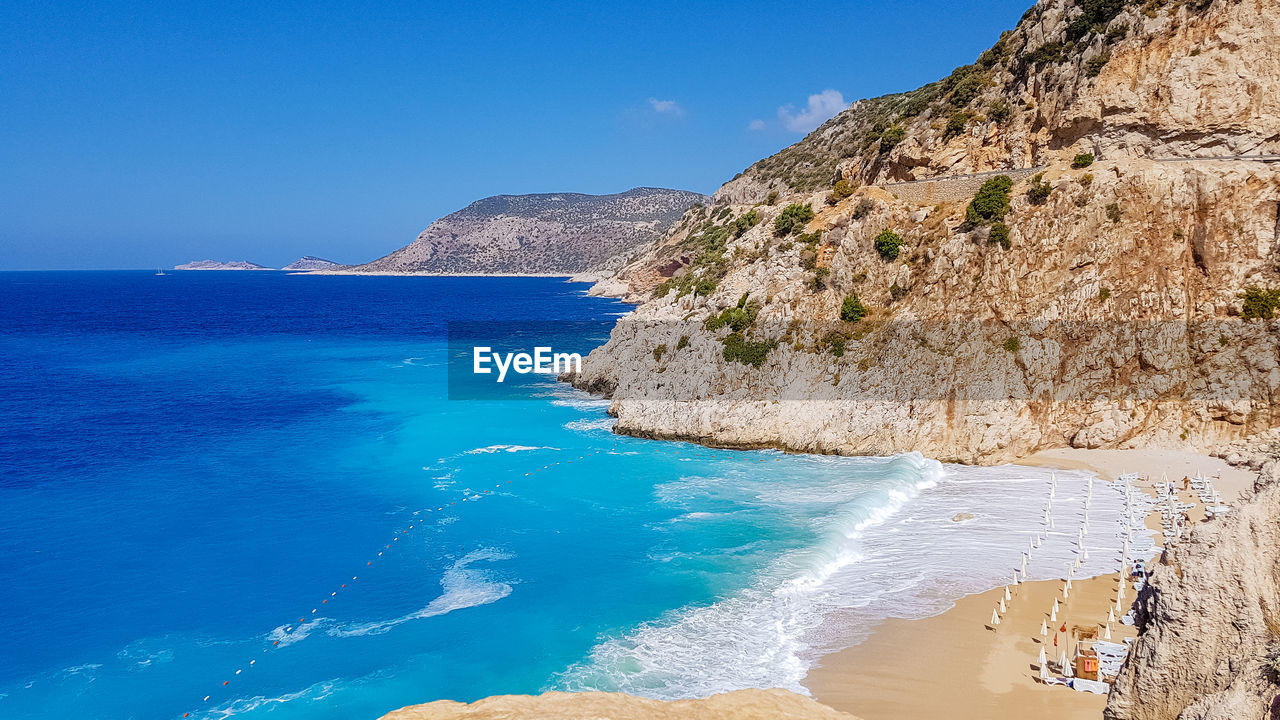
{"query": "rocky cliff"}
(739, 705)
(1209, 647)
(1096, 287)
(310, 262)
(550, 233)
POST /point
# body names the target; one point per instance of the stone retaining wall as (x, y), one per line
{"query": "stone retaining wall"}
(954, 188)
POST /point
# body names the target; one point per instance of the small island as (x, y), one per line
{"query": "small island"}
(215, 265)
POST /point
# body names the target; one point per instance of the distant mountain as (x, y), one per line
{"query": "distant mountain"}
(310, 262)
(547, 233)
(215, 265)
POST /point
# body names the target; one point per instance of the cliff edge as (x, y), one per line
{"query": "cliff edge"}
(1209, 647)
(1073, 242)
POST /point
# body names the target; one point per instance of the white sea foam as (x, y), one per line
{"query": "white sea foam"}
(143, 654)
(887, 547)
(591, 425)
(85, 669)
(463, 587)
(581, 403)
(289, 634)
(507, 448)
(318, 691)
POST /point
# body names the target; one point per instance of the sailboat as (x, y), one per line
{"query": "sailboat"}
(160, 271)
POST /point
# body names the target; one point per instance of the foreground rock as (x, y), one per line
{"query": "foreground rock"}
(1209, 647)
(216, 265)
(557, 233)
(1100, 308)
(739, 705)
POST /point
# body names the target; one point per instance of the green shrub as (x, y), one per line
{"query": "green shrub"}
(737, 318)
(999, 110)
(1113, 213)
(835, 342)
(999, 235)
(1093, 68)
(967, 88)
(739, 349)
(897, 292)
(890, 138)
(1086, 179)
(841, 190)
(863, 208)
(748, 220)
(819, 281)
(684, 342)
(852, 309)
(1083, 160)
(811, 239)
(888, 243)
(1039, 191)
(992, 201)
(1013, 345)
(1079, 27)
(659, 351)
(1259, 303)
(956, 124)
(792, 219)
(1103, 294)
(773, 198)
(1050, 52)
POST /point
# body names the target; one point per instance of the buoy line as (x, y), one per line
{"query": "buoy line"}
(347, 585)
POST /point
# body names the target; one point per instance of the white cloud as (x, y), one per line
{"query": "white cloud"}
(821, 108)
(666, 107)
(755, 125)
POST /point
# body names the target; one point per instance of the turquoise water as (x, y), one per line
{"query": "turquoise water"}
(253, 488)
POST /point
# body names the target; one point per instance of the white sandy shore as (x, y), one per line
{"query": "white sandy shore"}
(956, 665)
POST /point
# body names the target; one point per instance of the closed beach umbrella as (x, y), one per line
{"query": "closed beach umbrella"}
(995, 617)
(1044, 632)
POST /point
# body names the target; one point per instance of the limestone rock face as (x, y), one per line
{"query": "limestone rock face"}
(1209, 622)
(1111, 319)
(1109, 322)
(739, 705)
(1200, 78)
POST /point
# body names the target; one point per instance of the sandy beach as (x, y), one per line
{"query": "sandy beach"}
(957, 665)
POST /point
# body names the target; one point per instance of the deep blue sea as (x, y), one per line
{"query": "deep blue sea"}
(249, 494)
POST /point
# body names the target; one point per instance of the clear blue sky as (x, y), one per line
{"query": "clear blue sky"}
(151, 133)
